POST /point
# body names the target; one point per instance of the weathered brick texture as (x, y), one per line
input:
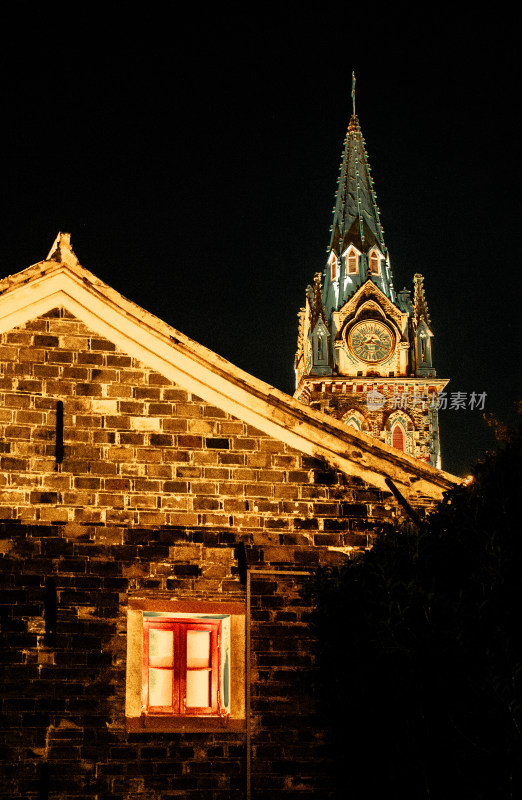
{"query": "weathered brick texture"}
(377, 422)
(140, 451)
(155, 491)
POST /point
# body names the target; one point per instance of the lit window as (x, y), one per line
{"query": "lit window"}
(185, 667)
(374, 263)
(351, 262)
(320, 348)
(398, 440)
(423, 348)
(182, 670)
(333, 267)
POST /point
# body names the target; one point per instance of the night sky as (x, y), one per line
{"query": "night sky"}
(196, 173)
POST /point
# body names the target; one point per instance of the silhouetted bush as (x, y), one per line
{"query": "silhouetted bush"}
(421, 649)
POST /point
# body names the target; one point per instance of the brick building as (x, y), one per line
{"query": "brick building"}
(162, 512)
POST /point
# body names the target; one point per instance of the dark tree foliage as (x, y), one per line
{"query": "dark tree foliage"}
(421, 649)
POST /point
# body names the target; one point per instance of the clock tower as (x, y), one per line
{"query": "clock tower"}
(364, 353)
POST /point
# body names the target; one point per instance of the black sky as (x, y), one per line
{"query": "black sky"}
(196, 173)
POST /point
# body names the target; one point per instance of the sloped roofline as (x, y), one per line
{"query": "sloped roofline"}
(369, 287)
(60, 280)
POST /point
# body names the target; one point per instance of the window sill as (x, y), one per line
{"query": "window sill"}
(166, 724)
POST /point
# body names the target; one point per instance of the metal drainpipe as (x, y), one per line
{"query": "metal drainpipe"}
(247, 666)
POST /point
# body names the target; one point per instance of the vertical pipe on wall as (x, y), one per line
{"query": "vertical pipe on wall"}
(43, 788)
(247, 664)
(247, 692)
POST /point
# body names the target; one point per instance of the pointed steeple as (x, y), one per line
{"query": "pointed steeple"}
(355, 199)
(356, 229)
(358, 339)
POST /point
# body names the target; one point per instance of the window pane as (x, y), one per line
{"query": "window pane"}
(398, 437)
(161, 648)
(160, 687)
(198, 649)
(198, 688)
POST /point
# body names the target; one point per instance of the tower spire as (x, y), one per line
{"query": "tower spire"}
(356, 226)
(357, 339)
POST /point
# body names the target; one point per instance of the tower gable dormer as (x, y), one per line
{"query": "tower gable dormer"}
(370, 291)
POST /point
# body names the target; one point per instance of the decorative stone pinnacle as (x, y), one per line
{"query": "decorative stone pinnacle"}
(62, 251)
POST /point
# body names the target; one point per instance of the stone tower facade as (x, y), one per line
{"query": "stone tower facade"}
(364, 353)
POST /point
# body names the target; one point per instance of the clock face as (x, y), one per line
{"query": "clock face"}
(371, 341)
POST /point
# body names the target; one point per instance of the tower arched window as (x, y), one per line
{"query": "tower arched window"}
(354, 419)
(333, 268)
(375, 266)
(353, 422)
(352, 263)
(398, 438)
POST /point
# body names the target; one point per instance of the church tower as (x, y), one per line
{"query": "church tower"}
(364, 353)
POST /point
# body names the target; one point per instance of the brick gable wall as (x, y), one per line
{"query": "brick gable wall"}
(155, 492)
(140, 451)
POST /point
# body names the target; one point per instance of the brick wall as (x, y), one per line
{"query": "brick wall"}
(140, 451)
(155, 491)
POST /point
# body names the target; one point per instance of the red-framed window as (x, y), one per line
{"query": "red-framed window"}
(181, 667)
(374, 263)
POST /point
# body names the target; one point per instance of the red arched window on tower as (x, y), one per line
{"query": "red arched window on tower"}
(398, 439)
(351, 261)
(374, 263)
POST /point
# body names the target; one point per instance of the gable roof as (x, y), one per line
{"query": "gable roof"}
(60, 280)
(369, 291)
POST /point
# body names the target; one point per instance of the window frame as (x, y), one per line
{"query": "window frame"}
(232, 661)
(334, 268)
(375, 258)
(180, 668)
(352, 255)
(400, 428)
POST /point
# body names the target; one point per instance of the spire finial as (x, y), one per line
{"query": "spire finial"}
(353, 91)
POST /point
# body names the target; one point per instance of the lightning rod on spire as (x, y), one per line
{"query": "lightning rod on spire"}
(353, 91)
